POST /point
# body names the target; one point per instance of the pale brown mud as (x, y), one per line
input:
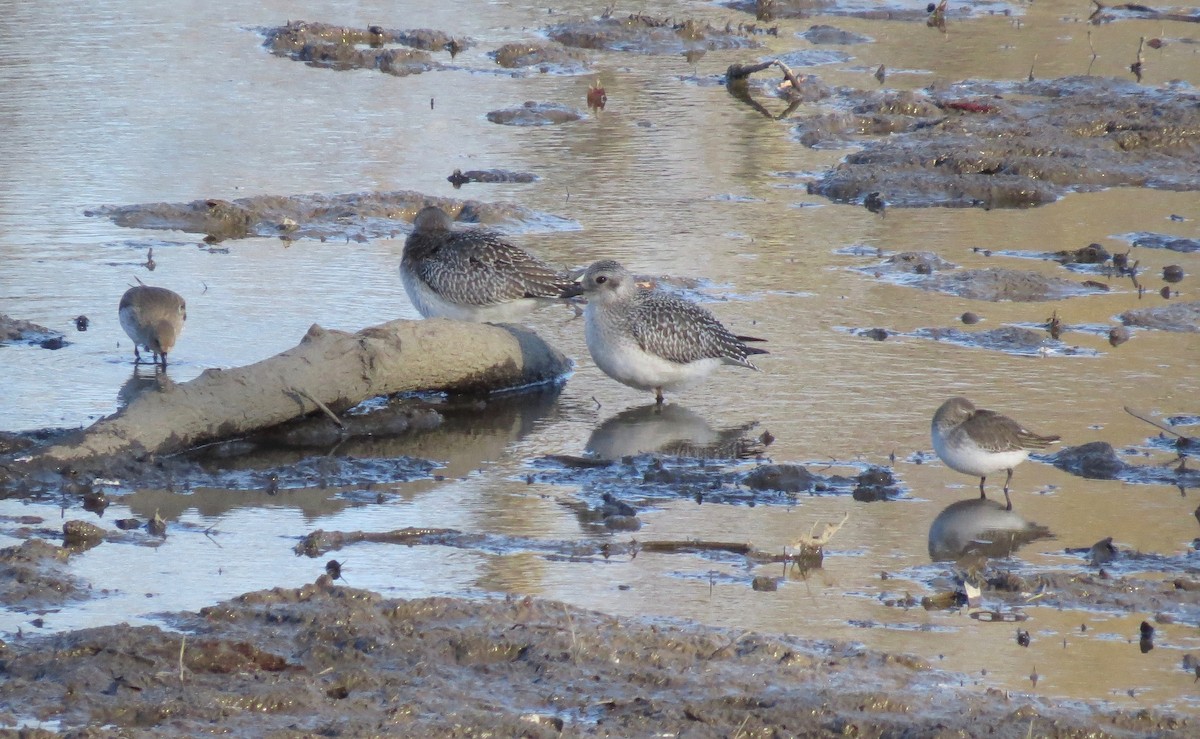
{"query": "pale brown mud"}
(336, 661)
(375, 47)
(18, 330)
(645, 34)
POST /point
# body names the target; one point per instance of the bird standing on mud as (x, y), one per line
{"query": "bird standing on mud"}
(975, 441)
(650, 339)
(153, 318)
(473, 275)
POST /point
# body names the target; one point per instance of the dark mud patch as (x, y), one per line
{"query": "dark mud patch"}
(1013, 340)
(996, 284)
(33, 576)
(550, 58)
(1161, 241)
(20, 331)
(895, 10)
(330, 660)
(489, 176)
(1098, 460)
(533, 113)
(821, 35)
(644, 34)
(351, 216)
(341, 48)
(648, 478)
(1178, 317)
(1008, 145)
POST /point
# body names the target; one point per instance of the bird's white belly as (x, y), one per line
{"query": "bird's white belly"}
(432, 305)
(969, 459)
(133, 329)
(620, 357)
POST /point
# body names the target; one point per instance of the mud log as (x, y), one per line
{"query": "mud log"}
(333, 369)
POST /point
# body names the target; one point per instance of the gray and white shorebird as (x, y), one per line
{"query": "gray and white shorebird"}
(473, 274)
(976, 441)
(650, 339)
(153, 317)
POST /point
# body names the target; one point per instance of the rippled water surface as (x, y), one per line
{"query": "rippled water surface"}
(126, 102)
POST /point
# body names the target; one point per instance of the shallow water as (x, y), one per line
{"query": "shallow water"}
(121, 103)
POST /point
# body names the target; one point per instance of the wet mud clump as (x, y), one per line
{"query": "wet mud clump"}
(995, 285)
(1009, 145)
(546, 58)
(326, 660)
(350, 216)
(1180, 317)
(1098, 460)
(490, 176)
(644, 34)
(1008, 339)
(533, 113)
(821, 34)
(894, 10)
(17, 330)
(1163, 241)
(336, 47)
(33, 575)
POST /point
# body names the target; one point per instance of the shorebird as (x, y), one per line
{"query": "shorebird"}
(473, 275)
(650, 339)
(153, 318)
(978, 442)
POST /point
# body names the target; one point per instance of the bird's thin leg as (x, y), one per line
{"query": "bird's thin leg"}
(982, 495)
(164, 362)
(658, 396)
(1007, 480)
(1007, 501)
(137, 357)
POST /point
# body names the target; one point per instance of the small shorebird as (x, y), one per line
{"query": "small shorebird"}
(153, 318)
(978, 442)
(473, 275)
(650, 339)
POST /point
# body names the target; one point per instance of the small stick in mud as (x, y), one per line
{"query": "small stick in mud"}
(1136, 67)
(1183, 442)
(333, 416)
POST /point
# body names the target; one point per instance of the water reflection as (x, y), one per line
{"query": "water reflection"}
(472, 434)
(139, 382)
(669, 429)
(980, 526)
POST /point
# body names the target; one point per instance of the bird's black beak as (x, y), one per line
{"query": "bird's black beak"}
(572, 290)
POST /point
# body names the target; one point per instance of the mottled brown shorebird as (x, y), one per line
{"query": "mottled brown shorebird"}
(473, 274)
(979, 442)
(153, 317)
(651, 339)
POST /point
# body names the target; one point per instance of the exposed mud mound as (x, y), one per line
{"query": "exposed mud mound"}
(822, 34)
(326, 660)
(1010, 145)
(1008, 339)
(892, 10)
(26, 332)
(1097, 460)
(1182, 317)
(460, 178)
(33, 575)
(336, 47)
(1005, 284)
(546, 58)
(1162, 241)
(351, 216)
(535, 114)
(644, 34)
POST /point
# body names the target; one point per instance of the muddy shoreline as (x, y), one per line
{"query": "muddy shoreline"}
(335, 661)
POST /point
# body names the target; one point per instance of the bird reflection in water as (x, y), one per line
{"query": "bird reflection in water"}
(141, 381)
(980, 526)
(672, 430)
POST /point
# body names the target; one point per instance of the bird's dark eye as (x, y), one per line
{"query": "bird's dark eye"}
(601, 280)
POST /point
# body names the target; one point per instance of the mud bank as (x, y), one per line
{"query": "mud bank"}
(17, 330)
(329, 660)
(349, 216)
(341, 48)
(1006, 145)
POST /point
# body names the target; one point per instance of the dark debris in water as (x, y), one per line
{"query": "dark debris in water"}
(1015, 340)
(346, 217)
(1150, 240)
(890, 10)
